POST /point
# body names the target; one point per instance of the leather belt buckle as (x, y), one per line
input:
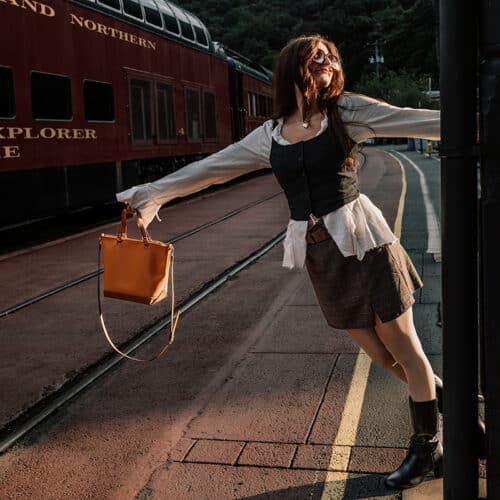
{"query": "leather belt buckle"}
(317, 234)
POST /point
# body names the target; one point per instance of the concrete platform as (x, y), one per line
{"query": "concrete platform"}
(287, 407)
(257, 399)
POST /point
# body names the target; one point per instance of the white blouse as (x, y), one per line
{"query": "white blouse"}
(355, 227)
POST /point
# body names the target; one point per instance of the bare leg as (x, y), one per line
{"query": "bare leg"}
(400, 338)
(368, 340)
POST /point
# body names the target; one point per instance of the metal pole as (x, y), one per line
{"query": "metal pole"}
(490, 241)
(459, 245)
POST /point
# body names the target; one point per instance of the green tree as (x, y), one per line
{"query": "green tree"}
(401, 89)
(405, 30)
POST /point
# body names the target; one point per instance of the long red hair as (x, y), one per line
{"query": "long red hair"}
(293, 68)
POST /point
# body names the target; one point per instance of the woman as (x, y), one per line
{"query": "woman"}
(362, 276)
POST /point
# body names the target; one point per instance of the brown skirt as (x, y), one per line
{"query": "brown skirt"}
(350, 291)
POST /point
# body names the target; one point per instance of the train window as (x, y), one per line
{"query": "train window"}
(140, 111)
(50, 97)
(169, 19)
(7, 102)
(98, 101)
(185, 26)
(165, 112)
(132, 8)
(262, 106)
(254, 104)
(209, 115)
(249, 104)
(201, 37)
(193, 115)
(151, 13)
(112, 4)
(186, 30)
(171, 23)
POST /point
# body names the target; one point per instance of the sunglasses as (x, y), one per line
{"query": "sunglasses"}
(320, 58)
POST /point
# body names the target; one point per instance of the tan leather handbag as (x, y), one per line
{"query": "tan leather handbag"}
(138, 271)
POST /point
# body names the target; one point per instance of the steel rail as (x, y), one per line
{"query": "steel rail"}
(86, 277)
(16, 429)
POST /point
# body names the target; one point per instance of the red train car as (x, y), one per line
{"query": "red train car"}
(98, 95)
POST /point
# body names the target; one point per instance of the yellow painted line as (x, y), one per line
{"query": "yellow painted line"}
(336, 481)
(398, 224)
(348, 428)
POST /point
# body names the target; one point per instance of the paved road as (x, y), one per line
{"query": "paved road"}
(257, 398)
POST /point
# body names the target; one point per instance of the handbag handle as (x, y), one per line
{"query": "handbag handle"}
(146, 237)
(173, 322)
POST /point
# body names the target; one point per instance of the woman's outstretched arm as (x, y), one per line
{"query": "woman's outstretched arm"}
(251, 153)
(367, 118)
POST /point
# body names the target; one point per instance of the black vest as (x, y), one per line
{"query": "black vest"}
(310, 174)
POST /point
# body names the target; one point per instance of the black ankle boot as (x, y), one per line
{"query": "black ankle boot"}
(425, 453)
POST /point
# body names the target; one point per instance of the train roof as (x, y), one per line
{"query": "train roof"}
(159, 16)
(167, 19)
(243, 64)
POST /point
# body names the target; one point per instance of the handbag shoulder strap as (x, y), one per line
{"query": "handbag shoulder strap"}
(173, 322)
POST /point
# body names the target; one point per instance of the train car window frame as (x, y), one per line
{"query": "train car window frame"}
(128, 14)
(206, 137)
(68, 97)
(103, 3)
(167, 19)
(184, 23)
(7, 90)
(262, 106)
(249, 104)
(198, 29)
(173, 138)
(200, 32)
(189, 137)
(187, 31)
(252, 103)
(147, 120)
(151, 5)
(85, 102)
(168, 16)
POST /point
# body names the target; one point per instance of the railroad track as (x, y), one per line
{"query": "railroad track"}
(86, 277)
(33, 416)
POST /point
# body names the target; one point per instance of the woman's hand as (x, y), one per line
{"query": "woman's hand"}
(140, 199)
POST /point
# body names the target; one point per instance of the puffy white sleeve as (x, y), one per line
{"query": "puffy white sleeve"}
(251, 153)
(367, 118)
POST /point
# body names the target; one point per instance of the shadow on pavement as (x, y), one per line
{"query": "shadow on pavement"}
(356, 488)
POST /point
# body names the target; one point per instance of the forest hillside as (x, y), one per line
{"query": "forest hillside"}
(404, 32)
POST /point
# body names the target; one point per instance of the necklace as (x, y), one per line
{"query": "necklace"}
(306, 122)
